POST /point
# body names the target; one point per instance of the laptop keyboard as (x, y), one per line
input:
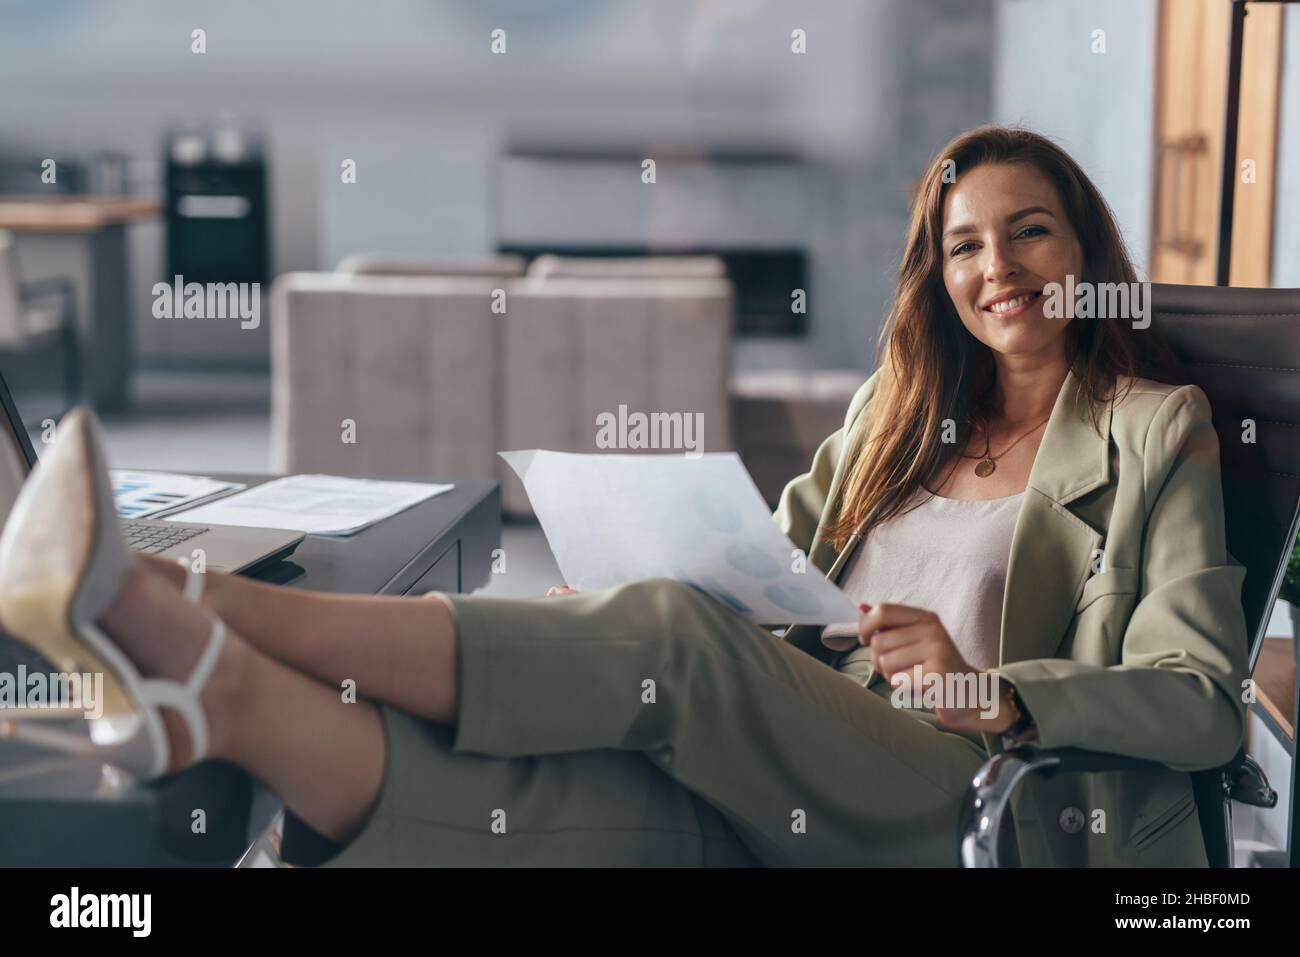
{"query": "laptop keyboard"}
(151, 538)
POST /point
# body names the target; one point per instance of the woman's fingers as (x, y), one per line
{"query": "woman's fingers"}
(560, 590)
(895, 638)
(886, 615)
(901, 649)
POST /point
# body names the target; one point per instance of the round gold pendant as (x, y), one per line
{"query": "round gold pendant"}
(985, 468)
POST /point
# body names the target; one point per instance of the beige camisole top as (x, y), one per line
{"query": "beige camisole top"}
(947, 555)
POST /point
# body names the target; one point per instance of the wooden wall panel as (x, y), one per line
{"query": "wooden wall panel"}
(1191, 86)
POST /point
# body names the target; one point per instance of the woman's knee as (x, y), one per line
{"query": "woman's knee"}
(672, 610)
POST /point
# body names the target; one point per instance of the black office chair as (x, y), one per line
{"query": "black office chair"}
(1242, 347)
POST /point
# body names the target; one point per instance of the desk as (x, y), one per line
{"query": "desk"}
(74, 814)
(84, 238)
(1275, 676)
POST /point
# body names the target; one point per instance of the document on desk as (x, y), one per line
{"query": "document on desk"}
(316, 504)
(612, 519)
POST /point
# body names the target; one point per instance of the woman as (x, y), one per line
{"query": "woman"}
(997, 453)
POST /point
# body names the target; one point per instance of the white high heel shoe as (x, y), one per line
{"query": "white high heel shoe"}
(62, 562)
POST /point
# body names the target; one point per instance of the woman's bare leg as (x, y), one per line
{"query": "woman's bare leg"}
(401, 651)
(322, 756)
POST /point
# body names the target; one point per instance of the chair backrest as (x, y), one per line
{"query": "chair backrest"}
(12, 331)
(1242, 347)
(364, 264)
(627, 267)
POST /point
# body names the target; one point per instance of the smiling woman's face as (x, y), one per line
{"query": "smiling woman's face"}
(1005, 237)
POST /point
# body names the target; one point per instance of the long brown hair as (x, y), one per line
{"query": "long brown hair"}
(933, 369)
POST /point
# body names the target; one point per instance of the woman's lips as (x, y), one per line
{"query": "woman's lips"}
(1005, 313)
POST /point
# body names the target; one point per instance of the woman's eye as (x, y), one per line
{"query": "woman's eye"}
(1027, 232)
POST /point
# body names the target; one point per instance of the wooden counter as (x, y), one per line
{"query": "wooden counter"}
(74, 214)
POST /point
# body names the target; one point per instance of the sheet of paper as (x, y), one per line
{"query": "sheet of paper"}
(612, 519)
(143, 494)
(317, 504)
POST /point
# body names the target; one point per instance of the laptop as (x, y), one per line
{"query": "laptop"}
(226, 548)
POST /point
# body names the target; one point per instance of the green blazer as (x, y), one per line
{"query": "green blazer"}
(1146, 656)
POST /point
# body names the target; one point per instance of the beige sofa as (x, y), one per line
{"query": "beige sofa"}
(436, 382)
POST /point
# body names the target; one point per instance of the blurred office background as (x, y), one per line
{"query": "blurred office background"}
(394, 171)
(337, 138)
(795, 168)
(338, 143)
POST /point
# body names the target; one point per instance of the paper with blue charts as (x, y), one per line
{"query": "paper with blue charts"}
(612, 519)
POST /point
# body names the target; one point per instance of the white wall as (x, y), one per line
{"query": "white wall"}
(1099, 106)
(1286, 201)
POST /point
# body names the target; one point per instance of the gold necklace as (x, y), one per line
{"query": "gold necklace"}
(989, 463)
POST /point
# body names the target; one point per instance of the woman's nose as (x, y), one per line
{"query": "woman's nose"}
(999, 264)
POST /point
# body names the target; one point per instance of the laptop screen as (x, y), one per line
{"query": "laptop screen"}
(16, 453)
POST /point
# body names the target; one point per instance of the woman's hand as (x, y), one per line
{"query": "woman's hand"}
(560, 590)
(904, 639)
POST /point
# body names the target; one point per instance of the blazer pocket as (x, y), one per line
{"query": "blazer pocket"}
(1113, 581)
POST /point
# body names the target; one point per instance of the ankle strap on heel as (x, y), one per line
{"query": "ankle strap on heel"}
(184, 698)
(198, 680)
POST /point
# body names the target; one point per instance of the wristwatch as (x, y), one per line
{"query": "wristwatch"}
(1021, 722)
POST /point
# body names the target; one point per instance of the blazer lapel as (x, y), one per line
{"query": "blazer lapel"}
(1052, 550)
(823, 556)
(844, 555)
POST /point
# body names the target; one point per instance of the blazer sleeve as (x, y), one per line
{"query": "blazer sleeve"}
(1176, 696)
(804, 498)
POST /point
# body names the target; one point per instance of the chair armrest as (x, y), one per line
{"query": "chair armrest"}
(989, 795)
(1247, 782)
